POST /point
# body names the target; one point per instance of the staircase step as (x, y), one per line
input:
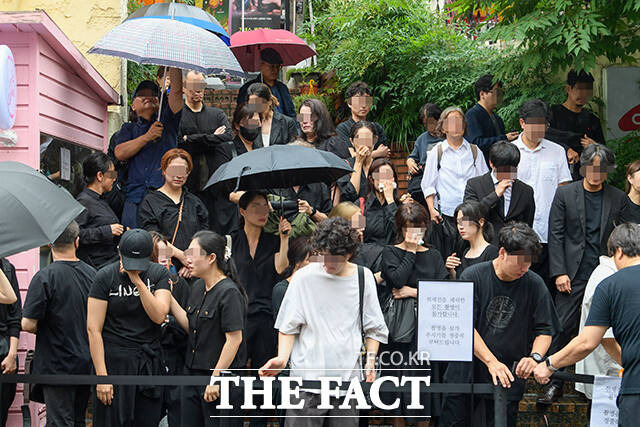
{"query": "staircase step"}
(568, 411)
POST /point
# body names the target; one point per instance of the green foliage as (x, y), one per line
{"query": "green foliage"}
(553, 35)
(627, 151)
(405, 53)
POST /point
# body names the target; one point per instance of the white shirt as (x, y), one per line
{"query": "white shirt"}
(322, 309)
(265, 139)
(597, 362)
(456, 167)
(506, 196)
(543, 168)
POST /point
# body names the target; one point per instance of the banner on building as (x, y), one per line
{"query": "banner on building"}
(257, 14)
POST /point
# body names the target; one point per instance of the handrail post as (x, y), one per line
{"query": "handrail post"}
(499, 406)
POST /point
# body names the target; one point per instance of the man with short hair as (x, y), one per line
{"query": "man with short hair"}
(505, 197)
(143, 143)
(55, 309)
(543, 167)
(316, 338)
(485, 125)
(270, 66)
(615, 305)
(571, 125)
(512, 309)
(201, 129)
(582, 216)
(359, 99)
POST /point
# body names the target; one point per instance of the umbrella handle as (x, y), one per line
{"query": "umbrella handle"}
(244, 169)
(164, 79)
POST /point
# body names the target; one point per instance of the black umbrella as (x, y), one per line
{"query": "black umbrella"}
(278, 166)
(35, 211)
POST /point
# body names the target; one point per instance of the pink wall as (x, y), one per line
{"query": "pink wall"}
(53, 99)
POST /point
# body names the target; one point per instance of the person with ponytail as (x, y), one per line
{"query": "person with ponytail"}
(215, 318)
(475, 229)
(276, 129)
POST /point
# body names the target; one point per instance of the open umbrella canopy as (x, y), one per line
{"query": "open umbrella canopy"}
(171, 43)
(278, 166)
(185, 13)
(246, 46)
(35, 211)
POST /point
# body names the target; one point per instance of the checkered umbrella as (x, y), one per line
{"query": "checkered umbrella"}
(171, 43)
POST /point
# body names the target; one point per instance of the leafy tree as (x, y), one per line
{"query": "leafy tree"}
(554, 35)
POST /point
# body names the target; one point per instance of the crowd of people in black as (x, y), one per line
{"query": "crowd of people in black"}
(162, 276)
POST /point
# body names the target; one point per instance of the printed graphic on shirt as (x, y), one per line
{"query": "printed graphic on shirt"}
(500, 311)
(127, 290)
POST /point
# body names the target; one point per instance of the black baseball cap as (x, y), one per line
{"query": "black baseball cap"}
(136, 247)
(270, 56)
(147, 84)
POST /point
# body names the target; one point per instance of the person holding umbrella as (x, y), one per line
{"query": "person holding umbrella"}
(270, 66)
(143, 143)
(128, 302)
(276, 127)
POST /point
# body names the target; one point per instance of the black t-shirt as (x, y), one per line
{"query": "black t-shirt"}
(126, 318)
(258, 274)
(403, 268)
(616, 304)
(211, 314)
(489, 254)
(57, 298)
(593, 210)
(634, 212)
(508, 316)
(567, 127)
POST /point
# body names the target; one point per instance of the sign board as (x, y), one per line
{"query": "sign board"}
(622, 99)
(257, 14)
(604, 411)
(8, 88)
(445, 320)
(65, 164)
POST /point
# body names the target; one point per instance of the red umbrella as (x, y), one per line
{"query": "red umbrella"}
(246, 46)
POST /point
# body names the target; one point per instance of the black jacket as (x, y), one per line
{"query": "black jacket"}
(159, 213)
(199, 128)
(98, 247)
(522, 207)
(283, 130)
(481, 131)
(10, 315)
(567, 224)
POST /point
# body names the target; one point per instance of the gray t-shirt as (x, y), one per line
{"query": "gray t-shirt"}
(322, 309)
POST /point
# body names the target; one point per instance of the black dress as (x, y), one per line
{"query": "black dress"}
(402, 268)
(488, 254)
(158, 212)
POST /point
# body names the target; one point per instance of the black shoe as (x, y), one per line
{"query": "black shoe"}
(550, 394)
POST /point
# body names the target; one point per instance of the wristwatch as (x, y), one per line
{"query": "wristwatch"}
(537, 358)
(313, 211)
(550, 366)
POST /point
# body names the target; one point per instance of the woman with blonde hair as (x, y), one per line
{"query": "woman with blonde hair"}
(277, 129)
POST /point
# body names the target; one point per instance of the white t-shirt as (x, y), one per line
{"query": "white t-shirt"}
(542, 168)
(322, 309)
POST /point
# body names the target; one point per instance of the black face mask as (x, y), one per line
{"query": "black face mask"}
(250, 134)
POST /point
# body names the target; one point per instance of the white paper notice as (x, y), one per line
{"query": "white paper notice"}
(604, 411)
(445, 320)
(65, 164)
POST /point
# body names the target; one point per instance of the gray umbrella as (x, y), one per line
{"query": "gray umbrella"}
(35, 211)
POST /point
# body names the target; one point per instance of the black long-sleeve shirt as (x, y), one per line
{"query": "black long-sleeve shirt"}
(98, 247)
(403, 268)
(10, 315)
(199, 127)
(380, 226)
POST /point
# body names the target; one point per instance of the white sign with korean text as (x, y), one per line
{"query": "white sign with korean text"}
(445, 320)
(604, 411)
(65, 164)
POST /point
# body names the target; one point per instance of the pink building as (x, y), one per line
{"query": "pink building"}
(61, 114)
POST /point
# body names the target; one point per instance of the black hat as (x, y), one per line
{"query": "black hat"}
(136, 246)
(146, 84)
(270, 56)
